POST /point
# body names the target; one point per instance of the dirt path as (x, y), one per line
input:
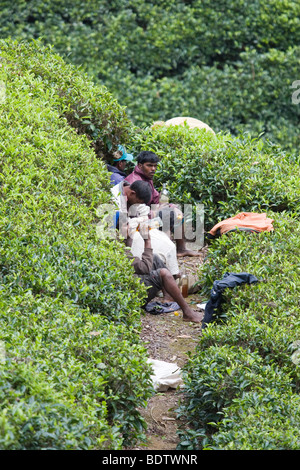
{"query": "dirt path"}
(169, 339)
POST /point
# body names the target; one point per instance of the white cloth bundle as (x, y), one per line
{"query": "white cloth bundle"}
(165, 375)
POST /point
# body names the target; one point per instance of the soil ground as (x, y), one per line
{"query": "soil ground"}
(168, 338)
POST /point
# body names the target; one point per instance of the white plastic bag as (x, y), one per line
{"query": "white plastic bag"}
(165, 375)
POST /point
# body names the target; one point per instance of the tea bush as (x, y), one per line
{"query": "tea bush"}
(36, 417)
(229, 64)
(245, 374)
(226, 174)
(94, 366)
(88, 108)
(251, 348)
(74, 373)
(268, 420)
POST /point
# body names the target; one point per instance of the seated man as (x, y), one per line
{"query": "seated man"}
(131, 200)
(145, 170)
(117, 170)
(157, 277)
(136, 194)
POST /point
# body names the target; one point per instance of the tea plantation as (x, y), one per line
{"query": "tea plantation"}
(232, 64)
(73, 371)
(242, 384)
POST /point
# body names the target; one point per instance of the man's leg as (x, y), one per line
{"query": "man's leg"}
(162, 279)
(172, 217)
(182, 249)
(170, 286)
(159, 264)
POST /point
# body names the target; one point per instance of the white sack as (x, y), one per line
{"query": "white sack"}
(165, 375)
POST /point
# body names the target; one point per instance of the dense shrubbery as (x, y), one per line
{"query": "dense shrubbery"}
(228, 175)
(91, 110)
(74, 373)
(245, 373)
(228, 63)
(87, 375)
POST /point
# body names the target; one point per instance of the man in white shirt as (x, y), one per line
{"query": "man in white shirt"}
(157, 277)
(131, 200)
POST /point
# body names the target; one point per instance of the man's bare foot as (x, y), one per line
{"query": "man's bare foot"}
(192, 315)
(182, 253)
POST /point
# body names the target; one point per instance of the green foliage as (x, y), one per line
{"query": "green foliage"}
(229, 64)
(253, 94)
(74, 370)
(36, 417)
(90, 110)
(249, 353)
(268, 420)
(83, 357)
(245, 374)
(74, 374)
(228, 175)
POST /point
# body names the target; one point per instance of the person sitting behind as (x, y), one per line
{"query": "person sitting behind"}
(155, 276)
(145, 169)
(117, 170)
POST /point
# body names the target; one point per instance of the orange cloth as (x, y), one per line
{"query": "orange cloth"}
(251, 220)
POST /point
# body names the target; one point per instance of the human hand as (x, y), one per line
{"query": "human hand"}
(142, 210)
(132, 226)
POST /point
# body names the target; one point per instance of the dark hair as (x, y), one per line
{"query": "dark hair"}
(147, 156)
(142, 190)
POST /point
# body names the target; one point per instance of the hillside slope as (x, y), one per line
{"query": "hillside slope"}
(73, 369)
